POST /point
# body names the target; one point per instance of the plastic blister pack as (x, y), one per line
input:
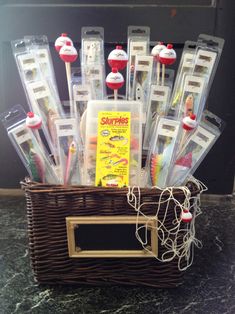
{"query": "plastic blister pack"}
(196, 148)
(192, 95)
(44, 105)
(35, 159)
(203, 62)
(158, 103)
(40, 91)
(92, 60)
(162, 151)
(142, 79)
(113, 143)
(70, 152)
(81, 94)
(39, 46)
(138, 45)
(185, 67)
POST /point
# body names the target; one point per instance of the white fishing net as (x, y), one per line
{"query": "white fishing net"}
(180, 239)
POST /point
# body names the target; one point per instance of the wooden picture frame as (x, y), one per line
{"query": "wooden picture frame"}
(73, 222)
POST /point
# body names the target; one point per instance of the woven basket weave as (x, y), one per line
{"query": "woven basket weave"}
(47, 209)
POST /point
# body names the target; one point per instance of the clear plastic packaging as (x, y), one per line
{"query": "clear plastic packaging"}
(142, 79)
(185, 67)
(196, 148)
(39, 46)
(209, 50)
(208, 53)
(162, 151)
(94, 75)
(113, 145)
(205, 57)
(92, 45)
(81, 94)
(43, 104)
(192, 96)
(138, 44)
(92, 60)
(157, 105)
(40, 92)
(70, 151)
(35, 159)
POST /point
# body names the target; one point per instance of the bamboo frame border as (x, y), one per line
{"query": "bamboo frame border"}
(72, 221)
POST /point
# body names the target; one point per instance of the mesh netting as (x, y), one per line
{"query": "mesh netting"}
(180, 239)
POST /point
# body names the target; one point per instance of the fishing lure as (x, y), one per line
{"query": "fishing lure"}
(36, 166)
(155, 167)
(189, 102)
(71, 163)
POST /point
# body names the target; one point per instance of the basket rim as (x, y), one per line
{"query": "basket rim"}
(34, 187)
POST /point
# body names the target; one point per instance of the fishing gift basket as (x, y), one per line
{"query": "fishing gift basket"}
(97, 217)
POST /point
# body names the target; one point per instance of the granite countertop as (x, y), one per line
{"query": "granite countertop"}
(208, 285)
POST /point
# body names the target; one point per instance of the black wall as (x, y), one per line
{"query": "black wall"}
(170, 21)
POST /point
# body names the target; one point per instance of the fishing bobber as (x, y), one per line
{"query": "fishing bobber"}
(33, 121)
(60, 41)
(118, 58)
(186, 216)
(114, 81)
(155, 53)
(167, 56)
(68, 53)
(156, 50)
(189, 122)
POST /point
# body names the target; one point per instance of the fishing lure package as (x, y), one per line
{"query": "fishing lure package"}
(185, 67)
(158, 103)
(42, 97)
(209, 50)
(113, 143)
(196, 148)
(43, 104)
(39, 46)
(162, 151)
(142, 79)
(70, 151)
(35, 159)
(81, 94)
(208, 53)
(192, 98)
(92, 60)
(138, 45)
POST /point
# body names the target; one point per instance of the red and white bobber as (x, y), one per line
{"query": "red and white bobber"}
(189, 123)
(60, 41)
(167, 55)
(33, 121)
(114, 81)
(186, 216)
(156, 50)
(68, 53)
(118, 58)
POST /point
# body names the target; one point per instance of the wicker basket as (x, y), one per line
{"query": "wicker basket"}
(47, 209)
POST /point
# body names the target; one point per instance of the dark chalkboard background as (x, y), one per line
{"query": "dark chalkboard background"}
(170, 21)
